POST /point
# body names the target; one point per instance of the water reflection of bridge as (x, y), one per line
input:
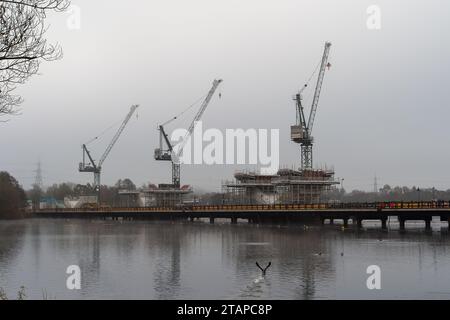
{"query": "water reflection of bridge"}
(278, 213)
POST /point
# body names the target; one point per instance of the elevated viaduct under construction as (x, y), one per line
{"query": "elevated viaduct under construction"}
(273, 214)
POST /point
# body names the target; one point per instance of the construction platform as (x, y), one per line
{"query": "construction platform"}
(273, 214)
(289, 186)
(163, 195)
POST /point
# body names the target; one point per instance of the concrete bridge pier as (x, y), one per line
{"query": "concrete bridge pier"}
(428, 224)
(359, 223)
(384, 223)
(402, 223)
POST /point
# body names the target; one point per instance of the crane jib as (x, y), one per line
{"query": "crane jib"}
(117, 135)
(198, 115)
(173, 153)
(318, 87)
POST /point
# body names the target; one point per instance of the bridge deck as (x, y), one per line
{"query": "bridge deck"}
(283, 213)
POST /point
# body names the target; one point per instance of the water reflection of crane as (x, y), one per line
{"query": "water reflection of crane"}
(308, 279)
(90, 262)
(167, 279)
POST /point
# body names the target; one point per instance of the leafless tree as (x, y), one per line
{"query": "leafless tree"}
(23, 45)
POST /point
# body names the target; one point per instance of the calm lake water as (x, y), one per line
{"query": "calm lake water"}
(185, 260)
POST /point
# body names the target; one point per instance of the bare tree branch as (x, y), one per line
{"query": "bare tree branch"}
(23, 45)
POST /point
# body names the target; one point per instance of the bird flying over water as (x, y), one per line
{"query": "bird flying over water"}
(263, 270)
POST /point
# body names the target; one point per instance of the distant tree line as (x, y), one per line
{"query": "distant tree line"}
(388, 193)
(13, 198)
(109, 194)
(385, 194)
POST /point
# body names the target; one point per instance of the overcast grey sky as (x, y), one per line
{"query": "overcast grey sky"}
(384, 106)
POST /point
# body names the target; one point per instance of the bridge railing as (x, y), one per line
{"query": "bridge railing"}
(263, 207)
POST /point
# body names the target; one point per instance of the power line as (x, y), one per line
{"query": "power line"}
(38, 180)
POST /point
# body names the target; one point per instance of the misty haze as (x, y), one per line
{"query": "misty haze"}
(221, 150)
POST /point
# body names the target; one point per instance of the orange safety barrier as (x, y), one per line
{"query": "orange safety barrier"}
(259, 207)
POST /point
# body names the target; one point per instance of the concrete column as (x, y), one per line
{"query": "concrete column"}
(211, 220)
(359, 223)
(384, 223)
(428, 224)
(402, 223)
(346, 223)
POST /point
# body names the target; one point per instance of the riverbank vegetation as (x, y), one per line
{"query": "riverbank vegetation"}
(12, 197)
(21, 295)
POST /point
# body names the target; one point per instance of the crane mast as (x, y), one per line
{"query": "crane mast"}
(302, 132)
(173, 153)
(91, 166)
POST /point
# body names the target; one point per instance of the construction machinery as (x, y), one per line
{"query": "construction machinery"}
(289, 186)
(301, 132)
(172, 153)
(96, 168)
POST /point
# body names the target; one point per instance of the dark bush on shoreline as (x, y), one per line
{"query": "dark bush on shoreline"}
(12, 197)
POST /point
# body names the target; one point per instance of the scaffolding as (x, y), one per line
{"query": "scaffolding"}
(163, 195)
(288, 186)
